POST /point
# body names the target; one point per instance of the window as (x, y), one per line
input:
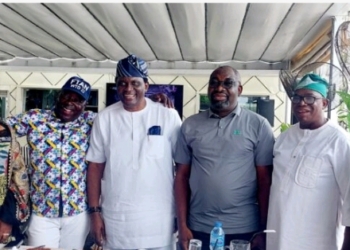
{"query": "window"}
(46, 99)
(3, 104)
(258, 104)
(249, 102)
(204, 102)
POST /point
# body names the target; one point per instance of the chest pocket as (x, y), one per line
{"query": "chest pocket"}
(155, 146)
(308, 171)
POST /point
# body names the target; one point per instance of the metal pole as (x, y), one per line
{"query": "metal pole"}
(331, 87)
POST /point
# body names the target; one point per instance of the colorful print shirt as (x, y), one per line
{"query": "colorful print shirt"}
(58, 167)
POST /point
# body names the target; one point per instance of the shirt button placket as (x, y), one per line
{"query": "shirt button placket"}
(220, 127)
(61, 167)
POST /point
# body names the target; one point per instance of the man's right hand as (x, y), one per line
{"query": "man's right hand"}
(162, 98)
(98, 228)
(185, 235)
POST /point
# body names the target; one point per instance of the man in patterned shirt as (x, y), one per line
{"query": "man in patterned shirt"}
(58, 141)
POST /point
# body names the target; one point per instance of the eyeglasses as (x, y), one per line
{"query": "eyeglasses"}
(307, 99)
(67, 97)
(227, 84)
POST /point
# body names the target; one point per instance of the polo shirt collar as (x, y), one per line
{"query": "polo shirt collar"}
(237, 111)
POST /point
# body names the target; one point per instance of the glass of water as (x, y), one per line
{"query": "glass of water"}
(239, 245)
(195, 245)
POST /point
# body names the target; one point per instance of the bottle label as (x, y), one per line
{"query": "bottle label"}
(217, 243)
(220, 242)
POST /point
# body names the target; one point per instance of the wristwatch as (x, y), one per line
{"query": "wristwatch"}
(94, 210)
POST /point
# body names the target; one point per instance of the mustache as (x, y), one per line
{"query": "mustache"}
(217, 92)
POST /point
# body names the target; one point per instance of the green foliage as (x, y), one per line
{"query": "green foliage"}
(284, 127)
(344, 109)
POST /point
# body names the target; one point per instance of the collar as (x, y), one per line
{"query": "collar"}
(237, 111)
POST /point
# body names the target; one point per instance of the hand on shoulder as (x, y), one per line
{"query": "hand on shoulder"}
(162, 98)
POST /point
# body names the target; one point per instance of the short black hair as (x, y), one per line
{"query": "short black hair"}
(237, 74)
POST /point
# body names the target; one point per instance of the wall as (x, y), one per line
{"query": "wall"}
(195, 82)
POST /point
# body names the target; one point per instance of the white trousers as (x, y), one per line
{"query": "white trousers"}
(67, 233)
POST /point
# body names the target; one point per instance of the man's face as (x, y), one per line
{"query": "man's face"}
(131, 91)
(309, 114)
(224, 90)
(69, 106)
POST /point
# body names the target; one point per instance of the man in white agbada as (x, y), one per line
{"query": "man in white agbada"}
(131, 168)
(310, 192)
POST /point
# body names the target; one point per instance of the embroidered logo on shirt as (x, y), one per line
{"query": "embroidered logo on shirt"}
(237, 132)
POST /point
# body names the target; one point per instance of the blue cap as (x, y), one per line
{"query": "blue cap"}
(79, 86)
(218, 224)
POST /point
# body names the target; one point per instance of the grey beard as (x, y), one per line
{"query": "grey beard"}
(219, 105)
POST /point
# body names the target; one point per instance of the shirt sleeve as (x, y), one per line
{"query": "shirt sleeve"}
(175, 132)
(21, 122)
(264, 147)
(341, 168)
(183, 152)
(96, 149)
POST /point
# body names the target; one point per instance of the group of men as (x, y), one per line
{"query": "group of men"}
(113, 172)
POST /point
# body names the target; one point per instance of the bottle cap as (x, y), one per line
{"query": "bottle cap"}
(218, 224)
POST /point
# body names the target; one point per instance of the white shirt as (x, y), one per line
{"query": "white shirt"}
(310, 183)
(137, 187)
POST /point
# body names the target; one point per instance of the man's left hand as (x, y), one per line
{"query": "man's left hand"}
(162, 98)
(259, 242)
(5, 232)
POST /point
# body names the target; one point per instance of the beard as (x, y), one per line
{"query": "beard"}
(218, 105)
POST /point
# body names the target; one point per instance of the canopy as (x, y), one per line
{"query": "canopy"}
(167, 35)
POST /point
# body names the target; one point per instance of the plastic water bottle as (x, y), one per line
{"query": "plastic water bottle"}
(217, 237)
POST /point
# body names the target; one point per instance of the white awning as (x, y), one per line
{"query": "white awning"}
(168, 36)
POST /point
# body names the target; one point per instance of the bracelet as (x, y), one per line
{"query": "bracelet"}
(94, 210)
